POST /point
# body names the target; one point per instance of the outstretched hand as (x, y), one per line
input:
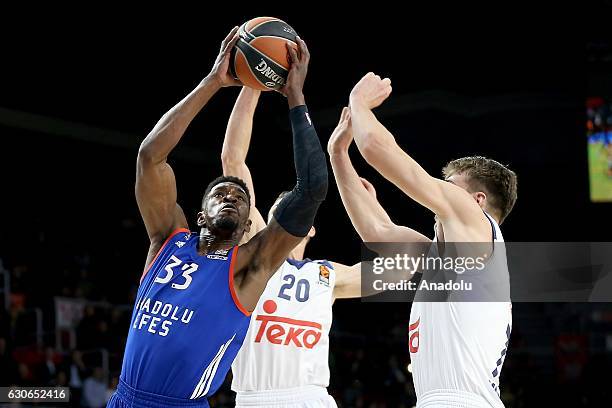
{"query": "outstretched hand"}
(342, 136)
(220, 71)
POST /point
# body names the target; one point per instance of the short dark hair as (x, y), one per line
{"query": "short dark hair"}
(227, 179)
(497, 180)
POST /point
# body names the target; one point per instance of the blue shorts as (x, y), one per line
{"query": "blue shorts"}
(128, 397)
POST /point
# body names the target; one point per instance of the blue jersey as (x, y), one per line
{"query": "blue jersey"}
(187, 325)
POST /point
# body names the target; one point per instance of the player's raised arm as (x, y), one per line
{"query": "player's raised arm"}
(377, 145)
(258, 259)
(235, 149)
(155, 181)
(369, 218)
(348, 281)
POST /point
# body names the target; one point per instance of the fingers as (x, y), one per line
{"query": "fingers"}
(368, 186)
(293, 56)
(383, 82)
(232, 42)
(304, 53)
(344, 114)
(227, 45)
(230, 45)
(365, 78)
(231, 35)
(371, 75)
(387, 85)
(229, 38)
(366, 183)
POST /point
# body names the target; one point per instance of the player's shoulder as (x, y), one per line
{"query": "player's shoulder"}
(181, 237)
(308, 263)
(323, 262)
(176, 238)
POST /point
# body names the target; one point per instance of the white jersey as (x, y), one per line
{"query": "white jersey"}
(457, 349)
(287, 343)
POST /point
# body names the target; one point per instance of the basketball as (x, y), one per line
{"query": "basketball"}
(260, 59)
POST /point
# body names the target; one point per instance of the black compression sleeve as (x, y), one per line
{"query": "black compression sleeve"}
(297, 210)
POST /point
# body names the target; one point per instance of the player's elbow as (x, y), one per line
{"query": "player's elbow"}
(318, 184)
(146, 153)
(229, 162)
(319, 192)
(372, 233)
(313, 178)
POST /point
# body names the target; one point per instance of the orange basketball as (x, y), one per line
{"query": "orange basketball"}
(260, 59)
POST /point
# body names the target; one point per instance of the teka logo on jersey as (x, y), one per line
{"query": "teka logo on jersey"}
(286, 331)
(413, 331)
(269, 73)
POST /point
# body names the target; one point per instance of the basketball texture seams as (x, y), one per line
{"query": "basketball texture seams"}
(260, 59)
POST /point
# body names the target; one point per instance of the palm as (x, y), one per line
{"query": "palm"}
(342, 136)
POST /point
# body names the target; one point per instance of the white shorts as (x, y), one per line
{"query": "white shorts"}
(453, 399)
(309, 396)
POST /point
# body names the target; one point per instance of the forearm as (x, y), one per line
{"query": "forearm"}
(375, 142)
(296, 212)
(171, 127)
(366, 128)
(378, 147)
(365, 212)
(239, 129)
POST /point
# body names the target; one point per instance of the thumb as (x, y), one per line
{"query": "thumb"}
(293, 57)
(367, 185)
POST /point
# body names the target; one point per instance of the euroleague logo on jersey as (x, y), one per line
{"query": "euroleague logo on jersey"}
(324, 275)
(285, 331)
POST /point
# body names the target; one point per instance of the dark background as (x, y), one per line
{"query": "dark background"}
(77, 95)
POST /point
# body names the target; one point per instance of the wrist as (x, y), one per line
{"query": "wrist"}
(338, 153)
(251, 91)
(211, 81)
(357, 103)
(295, 98)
